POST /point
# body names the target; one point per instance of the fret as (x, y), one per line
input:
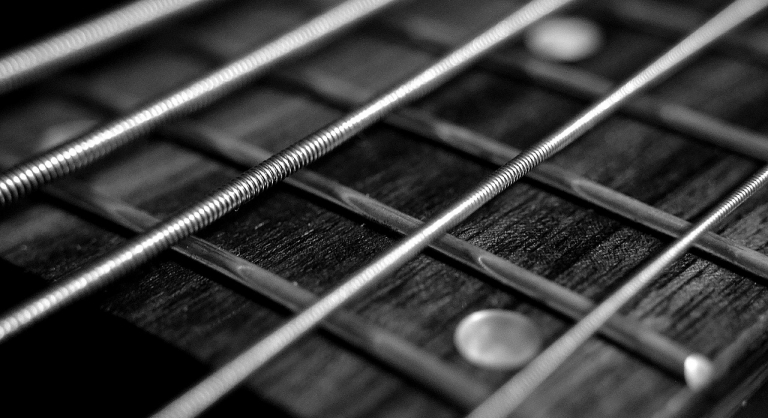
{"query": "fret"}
(476, 145)
(219, 383)
(700, 372)
(655, 17)
(333, 91)
(569, 80)
(589, 86)
(330, 90)
(90, 38)
(84, 151)
(381, 345)
(266, 174)
(433, 369)
(209, 141)
(506, 274)
(625, 331)
(511, 395)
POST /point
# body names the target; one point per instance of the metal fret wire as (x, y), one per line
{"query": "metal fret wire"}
(108, 30)
(475, 144)
(470, 142)
(678, 19)
(586, 85)
(95, 145)
(380, 344)
(227, 377)
(565, 79)
(254, 181)
(507, 153)
(625, 331)
(510, 396)
(333, 92)
(633, 335)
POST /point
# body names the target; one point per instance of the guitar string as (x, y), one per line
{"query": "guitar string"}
(507, 399)
(106, 139)
(624, 331)
(143, 248)
(331, 91)
(679, 19)
(748, 154)
(632, 335)
(469, 142)
(229, 376)
(512, 394)
(406, 359)
(92, 37)
(571, 80)
(576, 82)
(746, 142)
(325, 140)
(590, 86)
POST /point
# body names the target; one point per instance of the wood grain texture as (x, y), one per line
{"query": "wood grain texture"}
(187, 321)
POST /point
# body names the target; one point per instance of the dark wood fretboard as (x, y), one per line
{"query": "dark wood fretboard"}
(131, 347)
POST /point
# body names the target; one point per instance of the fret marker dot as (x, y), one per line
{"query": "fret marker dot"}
(566, 39)
(699, 371)
(497, 339)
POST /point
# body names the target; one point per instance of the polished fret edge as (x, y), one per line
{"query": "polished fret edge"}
(511, 395)
(628, 333)
(687, 359)
(409, 361)
(83, 151)
(585, 85)
(335, 93)
(467, 141)
(696, 370)
(677, 19)
(690, 368)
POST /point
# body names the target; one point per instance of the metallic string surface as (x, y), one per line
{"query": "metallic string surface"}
(199, 215)
(510, 396)
(587, 85)
(92, 37)
(230, 375)
(404, 357)
(97, 144)
(261, 177)
(471, 142)
(212, 142)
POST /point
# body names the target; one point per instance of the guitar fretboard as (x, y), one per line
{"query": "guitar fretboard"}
(550, 247)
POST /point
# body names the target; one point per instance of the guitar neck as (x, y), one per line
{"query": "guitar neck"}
(549, 247)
